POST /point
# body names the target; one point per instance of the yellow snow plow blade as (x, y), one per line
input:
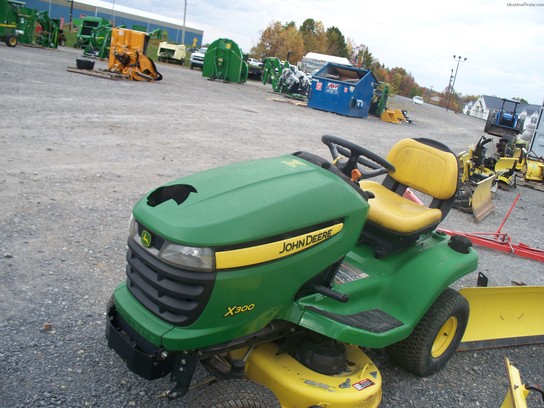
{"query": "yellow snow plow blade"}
(517, 393)
(505, 164)
(398, 114)
(389, 116)
(482, 204)
(503, 316)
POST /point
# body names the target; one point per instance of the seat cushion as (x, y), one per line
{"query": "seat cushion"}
(396, 213)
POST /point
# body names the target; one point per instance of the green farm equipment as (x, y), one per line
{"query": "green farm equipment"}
(50, 33)
(23, 25)
(98, 42)
(378, 104)
(225, 60)
(9, 19)
(285, 78)
(281, 269)
(87, 27)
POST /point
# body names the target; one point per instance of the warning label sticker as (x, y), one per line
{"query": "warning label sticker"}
(361, 385)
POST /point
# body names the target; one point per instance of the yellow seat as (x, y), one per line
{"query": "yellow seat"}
(397, 213)
(425, 166)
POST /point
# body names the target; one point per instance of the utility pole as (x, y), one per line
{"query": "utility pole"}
(458, 58)
(183, 31)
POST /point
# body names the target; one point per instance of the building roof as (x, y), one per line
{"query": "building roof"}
(494, 103)
(108, 7)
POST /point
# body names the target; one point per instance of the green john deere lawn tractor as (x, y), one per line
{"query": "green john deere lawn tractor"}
(274, 273)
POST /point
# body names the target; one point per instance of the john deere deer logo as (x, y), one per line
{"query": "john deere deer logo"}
(145, 239)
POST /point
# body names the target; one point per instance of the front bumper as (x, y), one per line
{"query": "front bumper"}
(141, 357)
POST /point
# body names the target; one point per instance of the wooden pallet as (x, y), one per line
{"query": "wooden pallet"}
(531, 184)
(100, 73)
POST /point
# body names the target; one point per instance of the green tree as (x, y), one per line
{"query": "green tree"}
(367, 59)
(336, 43)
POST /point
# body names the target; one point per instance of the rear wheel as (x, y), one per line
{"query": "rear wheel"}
(435, 338)
(236, 394)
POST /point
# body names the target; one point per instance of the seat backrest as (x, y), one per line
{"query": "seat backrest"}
(424, 165)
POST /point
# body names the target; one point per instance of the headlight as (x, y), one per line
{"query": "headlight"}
(133, 228)
(194, 258)
(201, 259)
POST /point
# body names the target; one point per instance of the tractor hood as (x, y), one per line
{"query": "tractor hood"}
(250, 202)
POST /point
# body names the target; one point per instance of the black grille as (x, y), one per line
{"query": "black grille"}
(175, 295)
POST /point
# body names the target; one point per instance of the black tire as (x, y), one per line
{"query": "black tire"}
(435, 338)
(235, 394)
(11, 41)
(191, 66)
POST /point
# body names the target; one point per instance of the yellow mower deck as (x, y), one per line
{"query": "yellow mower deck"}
(503, 316)
(297, 386)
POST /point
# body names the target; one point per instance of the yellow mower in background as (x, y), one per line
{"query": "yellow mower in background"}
(477, 181)
(533, 161)
(127, 59)
(127, 55)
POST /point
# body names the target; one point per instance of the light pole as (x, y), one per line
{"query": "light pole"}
(458, 58)
(71, 13)
(113, 13)
(183, 31)
(448, 90)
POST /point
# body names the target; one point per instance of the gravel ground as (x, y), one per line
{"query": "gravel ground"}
(79, 151)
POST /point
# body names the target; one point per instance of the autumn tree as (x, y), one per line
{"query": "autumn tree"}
(269, 44)
(278, 39)
(292, 44)
(313, 35)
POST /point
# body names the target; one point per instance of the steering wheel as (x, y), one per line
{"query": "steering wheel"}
(374, 165)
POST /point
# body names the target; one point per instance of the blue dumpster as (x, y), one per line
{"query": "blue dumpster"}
(342, 89)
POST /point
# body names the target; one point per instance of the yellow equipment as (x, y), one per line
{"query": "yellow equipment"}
(393, 116)
(297, 386)
(534, 170)
(476, 183)
(517, 391)
(503, 316)
(127, 55)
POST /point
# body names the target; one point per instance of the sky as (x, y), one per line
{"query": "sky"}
(502, 41)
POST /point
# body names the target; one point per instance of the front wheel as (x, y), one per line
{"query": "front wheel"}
(435, 338)
(235, 394)
(11, 41)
